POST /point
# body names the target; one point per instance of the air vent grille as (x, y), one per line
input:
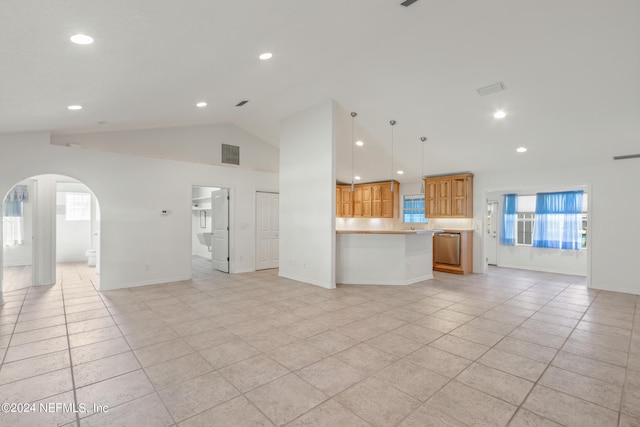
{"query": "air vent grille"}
(628, 156)
(230, 154)
(487, 90)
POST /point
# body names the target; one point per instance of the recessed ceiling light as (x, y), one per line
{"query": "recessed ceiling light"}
(357, 178)
(400, 172)
(500, 114)
(81, 39)
(74, 107)
(265, 56)
(359, 143)
(521, 149)
(201, 104)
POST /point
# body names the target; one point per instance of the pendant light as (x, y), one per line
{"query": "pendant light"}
(423, 139)
(392, 123)
(353, 143)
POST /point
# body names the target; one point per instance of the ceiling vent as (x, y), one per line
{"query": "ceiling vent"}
(628, 156)
(487, 90)
(241, 103)
(230, 154)
(407, 3)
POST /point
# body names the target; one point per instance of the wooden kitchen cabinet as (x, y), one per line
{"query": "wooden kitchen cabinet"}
(376, 201)
(366, 201)
(449, 196)
(344, 203)
(357, 202)
(373, 200)
(388, 199)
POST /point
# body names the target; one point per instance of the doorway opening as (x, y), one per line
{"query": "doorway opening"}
(48, 221)
(209, 229)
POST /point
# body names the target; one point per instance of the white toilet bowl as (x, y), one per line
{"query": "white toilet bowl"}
(91, 257)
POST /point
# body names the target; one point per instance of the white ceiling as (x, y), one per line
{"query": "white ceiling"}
(571, 68)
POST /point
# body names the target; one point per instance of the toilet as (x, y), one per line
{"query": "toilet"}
(91, 257)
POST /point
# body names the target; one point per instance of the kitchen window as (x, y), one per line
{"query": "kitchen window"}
(413, 209)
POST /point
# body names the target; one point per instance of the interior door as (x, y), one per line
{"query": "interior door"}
(220, 244)
(491, 238)
(267, 230)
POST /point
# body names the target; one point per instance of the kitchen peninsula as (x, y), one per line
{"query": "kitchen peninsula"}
(389, 257)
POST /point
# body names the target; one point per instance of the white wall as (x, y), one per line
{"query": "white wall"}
(543, 259)
(614, 203)
(198, 144)
(307, 194)
(138, 245)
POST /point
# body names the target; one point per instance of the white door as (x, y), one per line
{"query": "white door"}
(491, 238)
(267, 230)
(220, 244)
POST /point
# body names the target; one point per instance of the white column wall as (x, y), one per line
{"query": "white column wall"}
(307, 196)
(44, 231)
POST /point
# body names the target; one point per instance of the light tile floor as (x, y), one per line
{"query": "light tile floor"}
(510, 347)
(16, 277)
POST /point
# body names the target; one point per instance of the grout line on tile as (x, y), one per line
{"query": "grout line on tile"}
(6, 349)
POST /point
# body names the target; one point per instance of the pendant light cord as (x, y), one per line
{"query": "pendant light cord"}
(353, 117)
(423, 140)
(392, 122)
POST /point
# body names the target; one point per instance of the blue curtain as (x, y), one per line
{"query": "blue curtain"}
(12, 205)
(509, 220)
(558, 220)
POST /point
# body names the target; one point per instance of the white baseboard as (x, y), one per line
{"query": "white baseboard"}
(314, 282)
(626, 290)
(111, 287)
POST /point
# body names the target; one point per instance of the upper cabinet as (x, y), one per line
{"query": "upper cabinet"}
(374, 200)
(449, 196)
(344, 205)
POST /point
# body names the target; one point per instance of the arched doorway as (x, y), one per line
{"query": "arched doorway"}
(49, 222)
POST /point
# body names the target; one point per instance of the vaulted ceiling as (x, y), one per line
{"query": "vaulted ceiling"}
(571, 71)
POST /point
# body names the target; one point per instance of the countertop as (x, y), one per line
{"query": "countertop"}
(387, 231)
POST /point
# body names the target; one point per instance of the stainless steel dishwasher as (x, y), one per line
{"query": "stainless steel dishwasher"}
(447, 248)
